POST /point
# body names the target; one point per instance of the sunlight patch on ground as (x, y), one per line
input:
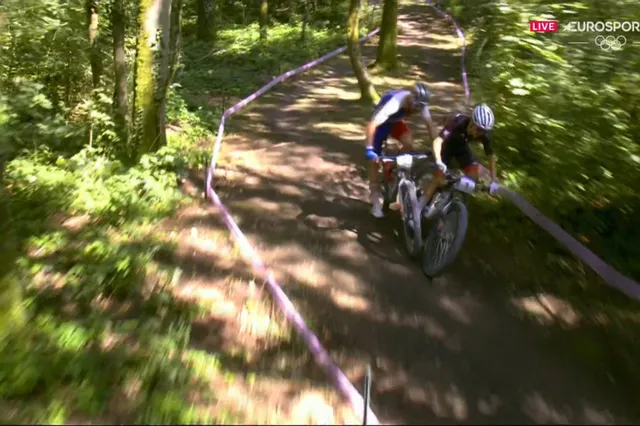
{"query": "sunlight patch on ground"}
(347, 281)
(348, 301)
(542, 412)
(489, 406)
(453, 45)
(444, 85)
(349, 131)
(289, 189)
(284, 210)
(208, 296)
(444, 403)
(308, 273)
(256, 320)
(457, 309)
(322, 222)
(548, 309)
(311, 408)
(429, 325)
(335, 92)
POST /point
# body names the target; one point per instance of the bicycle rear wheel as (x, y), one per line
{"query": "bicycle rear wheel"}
(445, 239)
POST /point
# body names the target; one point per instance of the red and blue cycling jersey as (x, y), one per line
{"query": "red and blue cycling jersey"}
(389, 115)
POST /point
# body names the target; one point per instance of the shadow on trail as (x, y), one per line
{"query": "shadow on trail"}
(441, 351)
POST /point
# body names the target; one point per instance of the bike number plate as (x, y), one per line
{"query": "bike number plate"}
(404, 161)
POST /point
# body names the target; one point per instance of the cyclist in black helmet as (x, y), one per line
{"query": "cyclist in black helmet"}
(388, 120)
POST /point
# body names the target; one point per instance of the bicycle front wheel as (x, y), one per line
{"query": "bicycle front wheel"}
(445, 239)
(410, 237)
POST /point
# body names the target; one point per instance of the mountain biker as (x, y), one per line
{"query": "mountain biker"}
(388, 120)
(453, 142)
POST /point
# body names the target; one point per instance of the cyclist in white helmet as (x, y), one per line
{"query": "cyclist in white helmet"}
(453, 143)
(388, 120)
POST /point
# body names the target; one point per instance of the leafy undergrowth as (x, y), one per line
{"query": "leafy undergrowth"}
(582, 317)
(136, 317)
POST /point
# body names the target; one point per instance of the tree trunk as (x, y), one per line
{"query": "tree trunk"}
(152, 74)
(305, 20)
(94, 50)
(205, 23)
(175, 43)
(387, 55)
(367, 91)
(120, 96)
(264, 19)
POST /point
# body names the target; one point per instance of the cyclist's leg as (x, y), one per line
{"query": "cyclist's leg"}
(468, 163)
(382, 132)
(402, 134)
(431, 186)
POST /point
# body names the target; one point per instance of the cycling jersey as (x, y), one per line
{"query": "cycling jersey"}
(456, 142)
(389, 115)
(455, 134)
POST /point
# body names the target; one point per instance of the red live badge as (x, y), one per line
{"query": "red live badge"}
(543, 26)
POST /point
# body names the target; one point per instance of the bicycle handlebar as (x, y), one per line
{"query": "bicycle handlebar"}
(393, 158)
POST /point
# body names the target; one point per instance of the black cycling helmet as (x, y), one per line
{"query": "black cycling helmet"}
(421, 94)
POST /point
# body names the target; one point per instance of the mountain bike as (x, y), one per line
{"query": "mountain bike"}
(399, 184)
(449, 220)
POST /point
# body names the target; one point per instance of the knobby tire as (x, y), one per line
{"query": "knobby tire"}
(462, 222)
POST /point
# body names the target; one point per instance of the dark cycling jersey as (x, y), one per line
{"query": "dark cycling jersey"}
(456, 138)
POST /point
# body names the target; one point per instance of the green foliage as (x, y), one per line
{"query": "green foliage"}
(238, 64)
(92, 182)
(566, 116)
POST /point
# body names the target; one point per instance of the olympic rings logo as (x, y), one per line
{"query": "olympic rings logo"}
(610, 42)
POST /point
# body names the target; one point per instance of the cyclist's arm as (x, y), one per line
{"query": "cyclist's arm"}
(437, 148)
(444, 134)
(488, 150)
(426, 115)
(381, 115)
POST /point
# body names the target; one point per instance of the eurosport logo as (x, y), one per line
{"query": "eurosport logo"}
(602, 26)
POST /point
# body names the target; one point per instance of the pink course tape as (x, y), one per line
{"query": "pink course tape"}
(612, 277)
(321, 356)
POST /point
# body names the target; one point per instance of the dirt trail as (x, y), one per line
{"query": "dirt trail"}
(440, 352)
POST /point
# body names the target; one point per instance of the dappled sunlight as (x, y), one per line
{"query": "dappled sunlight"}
(331, 92)
(543, 412)
(311, 408)
(489, 406)
(548, 309)
(452, 44)
(348, 131)
(458, 309)
(211, 296)
(266, 206)
(443, 401)
(348, 301)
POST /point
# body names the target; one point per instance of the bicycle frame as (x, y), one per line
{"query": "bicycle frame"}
(403, 185)
(456, 186)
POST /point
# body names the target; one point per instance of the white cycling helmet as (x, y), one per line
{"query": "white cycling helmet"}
(483, 117)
